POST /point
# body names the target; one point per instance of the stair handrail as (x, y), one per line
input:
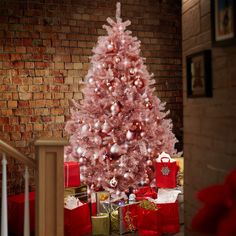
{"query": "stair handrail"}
(11, 151)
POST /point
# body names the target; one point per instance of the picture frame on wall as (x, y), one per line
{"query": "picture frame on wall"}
(199, 74)
(223, 18)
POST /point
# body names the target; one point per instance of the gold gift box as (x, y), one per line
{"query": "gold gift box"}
(80, 192)
(101, 224)
(180, 176)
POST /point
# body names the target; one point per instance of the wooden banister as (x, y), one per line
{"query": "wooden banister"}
(9, 150)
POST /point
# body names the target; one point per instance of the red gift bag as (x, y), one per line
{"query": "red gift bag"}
(169, 217)
(166, 173)
(149, 222)
(71, 174)
(16, 213)
(77, 221)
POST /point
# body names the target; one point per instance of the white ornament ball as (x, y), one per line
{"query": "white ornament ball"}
(115, 109)
(149, 162)
(97, 125)
(142, 134)
(98, 140)
(91, 80)
(113, 182)
(123, 78)
(84, 128)
(126, 175)
(117, 59)
(80, 150)
(106, 127)
(115, 148)
(129, 135)
(110, 47)
(132, 71)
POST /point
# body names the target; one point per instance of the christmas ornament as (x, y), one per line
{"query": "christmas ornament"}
(110, 47)
(149, 162)
(106, 128)
(97, 125)
(80, 150)
(115, 108)
(84, 129)
(115, 148)
(129, 135)
(139, 83)
(113, 182)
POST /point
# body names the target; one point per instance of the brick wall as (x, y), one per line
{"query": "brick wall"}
(44, 54)
(209, 123)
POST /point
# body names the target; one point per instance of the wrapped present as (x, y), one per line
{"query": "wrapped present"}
(102, 200)
(101, 224)
(149, 219)
(16, 213)
(166, 171)
(77, 220)
(145, 192)
(71, 174)
(79, 192)
(124, 218)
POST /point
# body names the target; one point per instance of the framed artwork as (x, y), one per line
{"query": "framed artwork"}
(199, 81)
(223, 22)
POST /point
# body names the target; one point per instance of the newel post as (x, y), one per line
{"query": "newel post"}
(50, 187)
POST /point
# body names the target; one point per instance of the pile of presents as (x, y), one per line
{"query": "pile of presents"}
(147, 210)
(150, 211)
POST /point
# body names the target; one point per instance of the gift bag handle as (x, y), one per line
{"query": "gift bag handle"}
(165, 158)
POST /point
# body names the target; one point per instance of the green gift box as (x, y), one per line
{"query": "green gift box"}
(101, 224)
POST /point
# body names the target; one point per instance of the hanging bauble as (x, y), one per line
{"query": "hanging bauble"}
(149, 162)
(136, 126)
(91, 80)
(80, 150)
(111, 88)
(115, 108)
(115, 148)
(139, 83)
(117, 59)
(97, 140)
(96, 90)
(142, 134)
(131, 71)
(126, 175)
(113, 182)
(106, 128)
(110, 47)
(123, 78)
(129, 135)
(148, 105)
(97, 125)
(126, 63)
(81, 160)
(84, 129)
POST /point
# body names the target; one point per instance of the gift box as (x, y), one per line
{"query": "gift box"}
(102, 200)
(145, 192)
(166, 172)
(101, 224)
(124, 218)
(71, 174)
(149, 219)
(79, 192)
(16, 213)
(77, 221)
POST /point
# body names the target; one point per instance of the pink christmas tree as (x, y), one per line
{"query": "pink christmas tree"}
(119, 127)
